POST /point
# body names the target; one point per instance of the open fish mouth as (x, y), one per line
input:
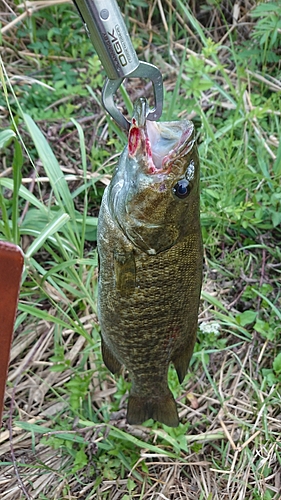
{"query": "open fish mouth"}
(158, 144)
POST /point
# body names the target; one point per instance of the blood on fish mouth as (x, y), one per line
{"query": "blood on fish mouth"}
(138, 137)
(134, 139)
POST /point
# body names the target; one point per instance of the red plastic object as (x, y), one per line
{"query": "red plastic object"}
(11, 265)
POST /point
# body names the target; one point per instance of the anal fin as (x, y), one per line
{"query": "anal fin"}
(163, 409)
(110, 361)
(181, 363)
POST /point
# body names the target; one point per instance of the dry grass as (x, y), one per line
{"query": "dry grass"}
(235, 425)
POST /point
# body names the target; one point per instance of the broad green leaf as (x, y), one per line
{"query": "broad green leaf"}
(277, 364)
(276, 219)
(246, 318)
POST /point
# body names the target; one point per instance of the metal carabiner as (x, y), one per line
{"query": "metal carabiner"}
(105, 26)
(144, 70)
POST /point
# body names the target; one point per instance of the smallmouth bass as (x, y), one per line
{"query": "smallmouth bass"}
(150, 263)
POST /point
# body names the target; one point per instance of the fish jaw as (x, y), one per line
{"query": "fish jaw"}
(156, 146)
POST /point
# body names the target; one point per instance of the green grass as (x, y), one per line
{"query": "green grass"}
(58, 150)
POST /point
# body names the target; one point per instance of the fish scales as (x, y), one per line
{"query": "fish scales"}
(150, 271)
(163, 298)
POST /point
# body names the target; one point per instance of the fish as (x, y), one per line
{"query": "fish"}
(150, 263)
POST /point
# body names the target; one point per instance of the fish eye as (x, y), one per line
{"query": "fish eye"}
(182, 188)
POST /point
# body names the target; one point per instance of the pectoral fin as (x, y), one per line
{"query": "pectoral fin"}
(125, 272)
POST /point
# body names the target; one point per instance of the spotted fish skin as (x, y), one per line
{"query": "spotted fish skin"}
(150, 264)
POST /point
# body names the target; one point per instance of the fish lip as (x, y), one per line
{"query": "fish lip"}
(141, 111)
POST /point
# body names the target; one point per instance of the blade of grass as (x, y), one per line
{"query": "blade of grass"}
(273, 307)
(125, 436)
(50, 229)
(17, 165)
(41, 314)
(228, 318)
(111, 123)
(53, 171)
(277, 162)
(38, 429)
(193, 21)
(175, 94)
(127, 100)
(43, 272)
(84, 167)
(5, 223)
(23, 193)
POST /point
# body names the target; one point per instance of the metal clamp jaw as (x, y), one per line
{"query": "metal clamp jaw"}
(105, 26)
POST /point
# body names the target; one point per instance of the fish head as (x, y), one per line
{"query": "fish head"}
(154, 193)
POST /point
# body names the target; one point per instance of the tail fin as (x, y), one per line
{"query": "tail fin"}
(163, 409)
